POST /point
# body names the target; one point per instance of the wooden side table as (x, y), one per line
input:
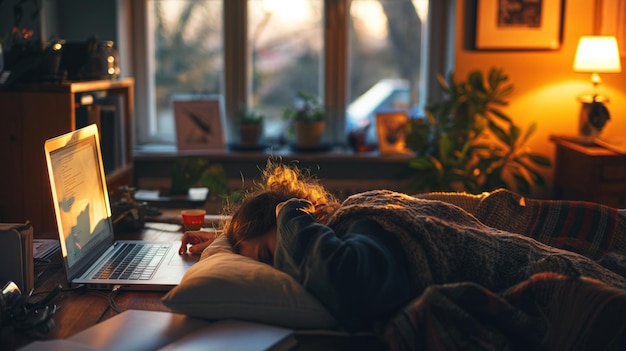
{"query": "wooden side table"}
(589, 172)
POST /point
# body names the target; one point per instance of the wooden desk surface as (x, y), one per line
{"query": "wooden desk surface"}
(81, 309)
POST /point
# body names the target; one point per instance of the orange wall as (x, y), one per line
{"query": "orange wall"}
(546, 87)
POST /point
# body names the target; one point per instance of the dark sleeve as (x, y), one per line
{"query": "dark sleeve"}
(360, 278)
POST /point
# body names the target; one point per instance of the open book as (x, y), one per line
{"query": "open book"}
(154, 330)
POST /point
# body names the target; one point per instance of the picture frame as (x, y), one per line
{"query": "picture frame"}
(519, 24)
(199, 122)
(390, 127)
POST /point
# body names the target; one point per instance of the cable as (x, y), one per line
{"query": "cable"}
(112, 305)
(32, 318)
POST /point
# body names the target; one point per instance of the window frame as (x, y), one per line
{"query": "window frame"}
(437, 59)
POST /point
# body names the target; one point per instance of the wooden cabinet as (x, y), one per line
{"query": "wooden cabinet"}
(30, 114)
(585, 171)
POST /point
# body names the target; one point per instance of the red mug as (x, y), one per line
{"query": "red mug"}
(193, 219)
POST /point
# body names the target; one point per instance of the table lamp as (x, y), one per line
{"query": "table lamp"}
(595, 54)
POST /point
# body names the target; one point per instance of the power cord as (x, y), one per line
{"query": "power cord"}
(33, 318)
(112, 305)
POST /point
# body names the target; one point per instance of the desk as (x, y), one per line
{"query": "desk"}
(80, 310)
(589, 172)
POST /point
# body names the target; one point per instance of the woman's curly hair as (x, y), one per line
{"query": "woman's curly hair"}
(255, 214)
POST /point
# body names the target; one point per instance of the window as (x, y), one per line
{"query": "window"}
(286, 46)
(183, 55)
(358, 56)
(385, 60)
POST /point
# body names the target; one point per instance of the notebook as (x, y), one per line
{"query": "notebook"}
(85, 227)
(137, 330)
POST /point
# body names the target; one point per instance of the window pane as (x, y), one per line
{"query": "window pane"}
(286, 46)
(187, 55)
(385, 59)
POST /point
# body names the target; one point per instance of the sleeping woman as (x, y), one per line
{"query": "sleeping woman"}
(372, 257)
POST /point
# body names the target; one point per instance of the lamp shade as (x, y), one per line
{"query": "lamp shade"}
(597, 54)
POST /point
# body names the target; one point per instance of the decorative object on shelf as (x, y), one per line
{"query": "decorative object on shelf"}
(25, 63)
(595, 54)
(128, 214)
(250, 127)
(527, 25)
(307, 118)
(199, 122)
(93, 59)
(391, 136)
(27, 57)
(466, 143)
(357, 139)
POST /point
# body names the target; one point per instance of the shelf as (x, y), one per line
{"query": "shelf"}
(33, 113)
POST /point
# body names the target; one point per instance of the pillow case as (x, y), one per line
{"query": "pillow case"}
(225, 285)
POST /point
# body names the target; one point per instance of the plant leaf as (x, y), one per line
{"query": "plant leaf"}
(539, 160)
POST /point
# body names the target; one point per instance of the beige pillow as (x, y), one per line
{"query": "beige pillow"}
(225, 285)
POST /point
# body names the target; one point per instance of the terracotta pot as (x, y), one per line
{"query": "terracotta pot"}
(250, 133)
(309, 133)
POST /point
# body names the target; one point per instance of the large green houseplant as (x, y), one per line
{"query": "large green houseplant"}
(307, 118)
(466, 143)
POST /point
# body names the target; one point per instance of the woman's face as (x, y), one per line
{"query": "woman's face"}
(261, 248)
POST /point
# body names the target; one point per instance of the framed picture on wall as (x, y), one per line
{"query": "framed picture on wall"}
(198, 123)
(519, 24)
(391, 136)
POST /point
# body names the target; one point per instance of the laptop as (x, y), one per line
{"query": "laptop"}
(85, 227)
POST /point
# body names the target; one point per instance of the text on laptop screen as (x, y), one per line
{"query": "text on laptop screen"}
(81, 198)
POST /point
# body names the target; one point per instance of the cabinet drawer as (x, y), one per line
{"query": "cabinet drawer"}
(613, 173)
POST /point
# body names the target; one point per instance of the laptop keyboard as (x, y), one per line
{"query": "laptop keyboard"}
(133, 262)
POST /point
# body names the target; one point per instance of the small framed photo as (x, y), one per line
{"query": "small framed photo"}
(391, 127)
(199, 124)
(519, 24)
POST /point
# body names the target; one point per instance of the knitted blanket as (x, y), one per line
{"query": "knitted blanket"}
(588, 228)
(480, 287)
(545, 312)
(446, 244)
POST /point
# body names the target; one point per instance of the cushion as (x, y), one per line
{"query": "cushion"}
(225, 285)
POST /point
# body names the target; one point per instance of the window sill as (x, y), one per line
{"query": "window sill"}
(340, 170)
(339, 153)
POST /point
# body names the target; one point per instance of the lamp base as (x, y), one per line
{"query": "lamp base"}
(592, 118)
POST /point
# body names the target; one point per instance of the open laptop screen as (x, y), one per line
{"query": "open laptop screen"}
(79, 194)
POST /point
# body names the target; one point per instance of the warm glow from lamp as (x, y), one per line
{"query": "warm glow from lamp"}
(597, 54)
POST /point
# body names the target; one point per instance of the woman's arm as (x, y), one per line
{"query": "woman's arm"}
(360, 277)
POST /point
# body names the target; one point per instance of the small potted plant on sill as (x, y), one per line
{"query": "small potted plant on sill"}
(308, 120)
(250, 126)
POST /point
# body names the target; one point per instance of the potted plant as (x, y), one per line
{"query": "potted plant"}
(308, 120)
(466, 143)
(250, 127)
